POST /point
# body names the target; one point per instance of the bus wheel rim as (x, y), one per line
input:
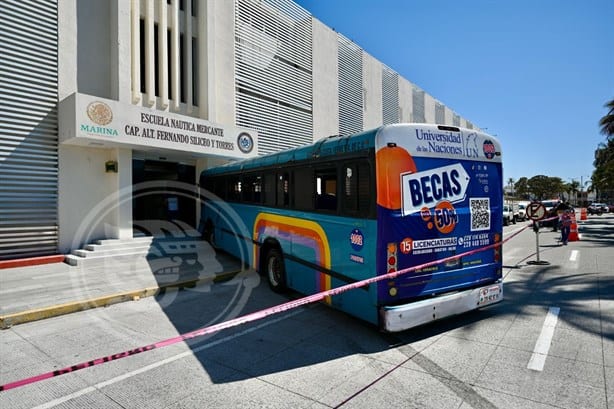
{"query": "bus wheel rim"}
(274, 271)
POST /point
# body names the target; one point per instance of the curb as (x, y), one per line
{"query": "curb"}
(32, 261)
(7, 321)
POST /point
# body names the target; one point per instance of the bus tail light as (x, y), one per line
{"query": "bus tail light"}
(391, 258)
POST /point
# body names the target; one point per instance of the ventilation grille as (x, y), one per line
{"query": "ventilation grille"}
(350, 87)
(28, 128)
(390, 96)
(418, 104)
(440, 113)
(456, 120)
(274, 72)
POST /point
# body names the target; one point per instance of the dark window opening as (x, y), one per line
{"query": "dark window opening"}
(303, 189)
(326, 189)
(356, 189)
(252, 188)
(345, 188)
(156, 65)
(283, 189)
(234, 187)
(142, 53)
(195, 63)
(269, 189)
(182, 70)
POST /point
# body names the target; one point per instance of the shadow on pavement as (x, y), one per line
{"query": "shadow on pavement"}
(316, 334)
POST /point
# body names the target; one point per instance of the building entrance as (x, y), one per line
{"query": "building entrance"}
(163, 199)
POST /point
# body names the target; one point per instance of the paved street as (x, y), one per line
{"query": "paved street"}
(549, 344)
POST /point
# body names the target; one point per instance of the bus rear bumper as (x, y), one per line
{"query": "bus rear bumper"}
(401, 317)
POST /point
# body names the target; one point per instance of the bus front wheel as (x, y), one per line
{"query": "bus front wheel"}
(275, 270)
(209, 233)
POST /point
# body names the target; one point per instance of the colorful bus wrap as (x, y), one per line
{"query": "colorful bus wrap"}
(348, 208)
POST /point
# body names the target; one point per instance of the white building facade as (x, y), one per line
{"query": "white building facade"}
(100, 96)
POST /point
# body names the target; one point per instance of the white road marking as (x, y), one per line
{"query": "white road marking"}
(542, 346)
(574, 255)
(168, 360)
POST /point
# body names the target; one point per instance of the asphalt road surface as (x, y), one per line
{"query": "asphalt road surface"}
(549, 344)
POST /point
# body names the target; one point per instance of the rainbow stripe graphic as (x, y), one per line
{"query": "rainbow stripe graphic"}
(299, 232)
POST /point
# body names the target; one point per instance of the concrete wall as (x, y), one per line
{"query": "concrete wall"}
(83, 183)
(94, 55)
(119, 41)
(429, 109)
(372, 85)
(406, 102)
(67, 48)
(221, 75)
(325, 81)
(90, 200)
(449, 115)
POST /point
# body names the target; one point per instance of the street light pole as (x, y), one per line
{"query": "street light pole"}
(582, 188)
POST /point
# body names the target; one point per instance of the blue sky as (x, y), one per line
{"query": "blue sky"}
(536, 73)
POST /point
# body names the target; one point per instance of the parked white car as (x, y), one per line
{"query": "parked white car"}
(508, 215)
(522, 211)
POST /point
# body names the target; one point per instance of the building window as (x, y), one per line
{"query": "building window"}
(195, 78)
(142, 54)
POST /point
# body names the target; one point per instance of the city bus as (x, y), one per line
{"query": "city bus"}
(347, 208)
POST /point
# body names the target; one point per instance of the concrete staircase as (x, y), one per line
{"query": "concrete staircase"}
(101, 250)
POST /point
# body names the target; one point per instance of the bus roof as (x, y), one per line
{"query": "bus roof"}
(325, 147)
(441, 138)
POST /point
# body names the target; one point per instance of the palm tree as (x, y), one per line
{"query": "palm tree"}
(607, 122)
(510, 183)
(572, 189)
(603, 175)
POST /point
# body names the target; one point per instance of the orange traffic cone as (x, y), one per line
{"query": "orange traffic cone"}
(573, 231)
(583, 215)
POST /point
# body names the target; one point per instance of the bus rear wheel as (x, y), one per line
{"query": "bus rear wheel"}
(275, 270)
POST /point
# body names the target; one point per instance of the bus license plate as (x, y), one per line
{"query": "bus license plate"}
(489, 295)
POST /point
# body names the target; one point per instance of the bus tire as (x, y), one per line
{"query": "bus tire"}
(275, 270)
(209, 233)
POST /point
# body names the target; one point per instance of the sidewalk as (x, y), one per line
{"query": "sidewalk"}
(37, 292)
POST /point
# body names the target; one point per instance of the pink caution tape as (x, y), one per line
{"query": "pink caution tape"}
(245, 318)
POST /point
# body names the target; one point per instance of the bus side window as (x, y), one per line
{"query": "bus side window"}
(283, 189)
(207, 184)
(303, 189)
(219, 187)
(356, 195)
(350, 189)
(269, 189)
(365, 193)
(234, 189)
(326, 189)
(252, 187)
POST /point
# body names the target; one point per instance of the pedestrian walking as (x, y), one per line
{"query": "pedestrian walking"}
(565, 222)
